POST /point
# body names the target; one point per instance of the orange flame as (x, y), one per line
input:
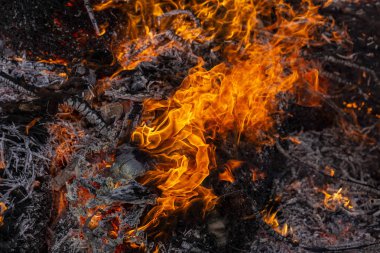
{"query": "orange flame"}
(257, 175)
(270, 219)
(335, 200)
(3, 208)
(229, 167)
(54, 61)
(31, 124)
(328, 170)
(262, 42)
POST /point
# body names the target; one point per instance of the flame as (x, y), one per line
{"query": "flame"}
(3, 164)
(54, 61)
(106, 5)
(3, 208)
(261, 42)
(294, 140)
(329, 171)
(269, 218)
(227, 175)
(238, 96)
(335, 200)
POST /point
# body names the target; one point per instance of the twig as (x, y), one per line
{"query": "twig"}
(11, 82)
(91, 15)
(84, 109)
(354, 66)
(342, 247)
(180, 12)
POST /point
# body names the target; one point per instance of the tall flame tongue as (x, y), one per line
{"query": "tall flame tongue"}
(262, 41)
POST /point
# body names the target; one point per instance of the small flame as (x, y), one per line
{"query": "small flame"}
(3, 208)
(227, 175)
(269, 218)
(57, 61)
(257, 175)
(106, 5)
(294, 140)
(329, 171)
(103, 29)
(335, 200)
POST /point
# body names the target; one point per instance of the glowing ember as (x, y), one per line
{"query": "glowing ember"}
(257, 175)
(31, 124)
(64, 137)
(333, 201)
(62, 203)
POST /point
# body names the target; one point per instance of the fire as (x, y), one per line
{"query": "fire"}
(227, 175)
(328, 170)
(3, 164)
(238, 96)
(270, 219)
(335, 200)
(54, 61)
(3, 208)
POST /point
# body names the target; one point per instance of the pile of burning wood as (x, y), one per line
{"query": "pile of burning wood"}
(190, 126)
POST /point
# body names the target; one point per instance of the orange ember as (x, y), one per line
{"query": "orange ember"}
(64, 138)
(54, 61)
(62, 203)
(31, 124)
(257, 175)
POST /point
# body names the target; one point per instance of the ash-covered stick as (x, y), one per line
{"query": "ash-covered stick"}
(88, 113)
(354, 66)
(335, 78)
(9, 81)
(342, 247)
(91, 15)
(180, 12)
